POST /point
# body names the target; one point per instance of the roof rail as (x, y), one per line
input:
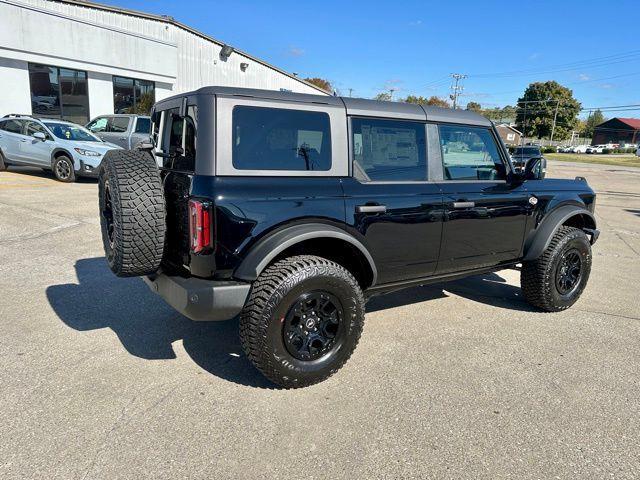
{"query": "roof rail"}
(12, 115)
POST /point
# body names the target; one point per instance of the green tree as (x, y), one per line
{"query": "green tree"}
(383, 96)
(505, 114)
(417, 100)
(474, 107)
(143, 105)
(595, 119)
(537, 109)
(320, 83)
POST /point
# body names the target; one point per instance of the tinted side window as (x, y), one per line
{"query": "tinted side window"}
(33, 127)
(280, 139)
(13, 126)
(179, 139)
(143, 125)
(98, 125)
(470, 153)
(389, 150)
(118, 124)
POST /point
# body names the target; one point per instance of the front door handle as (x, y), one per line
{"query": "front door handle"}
(464, 204)
(371, 209)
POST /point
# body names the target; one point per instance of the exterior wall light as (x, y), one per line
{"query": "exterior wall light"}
(226, 51)
(244, 66)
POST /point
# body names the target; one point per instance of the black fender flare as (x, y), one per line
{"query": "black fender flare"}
(539, 240)
(56, 151)
(270, 247)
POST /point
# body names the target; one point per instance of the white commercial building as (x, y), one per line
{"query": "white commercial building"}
(76, 60)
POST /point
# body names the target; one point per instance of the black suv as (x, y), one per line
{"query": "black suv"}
(290, 210)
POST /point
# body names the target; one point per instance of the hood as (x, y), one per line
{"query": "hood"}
(101, 147)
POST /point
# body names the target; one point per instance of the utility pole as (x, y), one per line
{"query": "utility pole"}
(456, 88)
(391, 90)
(555, 117)
(350, 91)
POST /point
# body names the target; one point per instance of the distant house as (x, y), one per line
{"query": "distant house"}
(509, 134)
(617, 130)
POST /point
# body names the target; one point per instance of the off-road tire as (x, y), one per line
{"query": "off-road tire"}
(3, 163)
(130, 183)
(271, 297)
(538, 277)
(57, 167)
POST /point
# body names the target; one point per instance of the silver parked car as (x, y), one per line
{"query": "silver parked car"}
(126, 131)
(67, 149)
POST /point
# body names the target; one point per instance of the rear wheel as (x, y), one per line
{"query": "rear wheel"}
(63, 169)
(3, 163)
(556, 280)
(132, 213)
(302, 321)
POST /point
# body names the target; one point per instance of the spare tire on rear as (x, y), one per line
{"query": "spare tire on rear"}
(132, 212)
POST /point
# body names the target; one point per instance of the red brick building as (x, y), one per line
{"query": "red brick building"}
(617, 130)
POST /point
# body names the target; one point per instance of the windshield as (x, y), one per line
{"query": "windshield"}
(67, 131)
(526, 151)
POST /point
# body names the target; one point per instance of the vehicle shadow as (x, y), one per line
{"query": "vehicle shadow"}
(40, 173)
(634, 211)
(147, 327)
(490, 289)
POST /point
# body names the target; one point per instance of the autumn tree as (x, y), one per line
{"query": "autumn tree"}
(320, 83)
(545, 104)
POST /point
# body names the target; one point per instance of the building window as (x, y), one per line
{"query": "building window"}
(280, 139)
(133, 96)
(59, 93)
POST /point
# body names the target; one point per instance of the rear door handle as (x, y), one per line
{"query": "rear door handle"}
(464, 204)
(371, 208)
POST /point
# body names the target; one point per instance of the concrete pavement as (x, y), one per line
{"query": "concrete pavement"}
(100, 379)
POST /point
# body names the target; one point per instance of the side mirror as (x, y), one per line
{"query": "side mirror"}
(39, 136)
(534, 169)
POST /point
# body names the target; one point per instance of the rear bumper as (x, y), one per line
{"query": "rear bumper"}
(200, 300)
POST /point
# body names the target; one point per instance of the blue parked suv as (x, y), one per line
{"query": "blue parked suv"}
(65, 148)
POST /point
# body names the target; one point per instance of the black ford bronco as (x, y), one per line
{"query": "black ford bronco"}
(289, 210)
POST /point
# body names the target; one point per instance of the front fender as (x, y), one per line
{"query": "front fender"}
(540, 238)
(267, 249)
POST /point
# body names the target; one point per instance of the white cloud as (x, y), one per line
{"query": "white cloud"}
(415, 23)
(606, 86)
(296, 52)
(534, 56)
(584, 77)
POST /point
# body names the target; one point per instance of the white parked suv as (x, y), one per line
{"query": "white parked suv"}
(67, 149)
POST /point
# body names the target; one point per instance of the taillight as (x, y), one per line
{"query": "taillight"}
(200, 226)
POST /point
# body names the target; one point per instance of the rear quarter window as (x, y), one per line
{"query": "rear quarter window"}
(280, 139)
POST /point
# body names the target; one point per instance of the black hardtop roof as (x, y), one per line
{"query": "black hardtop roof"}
(353, 106)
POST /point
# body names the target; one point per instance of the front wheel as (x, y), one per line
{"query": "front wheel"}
(556, 280)
(302, 321)
(63, 169)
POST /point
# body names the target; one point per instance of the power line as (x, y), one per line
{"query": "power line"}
(592, 63)
(456, 87)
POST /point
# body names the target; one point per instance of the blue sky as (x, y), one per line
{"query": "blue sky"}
(412, 46)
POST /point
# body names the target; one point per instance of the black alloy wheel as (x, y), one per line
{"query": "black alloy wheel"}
(107, 213)
(569, 272)
(63, 169)
(312, 325)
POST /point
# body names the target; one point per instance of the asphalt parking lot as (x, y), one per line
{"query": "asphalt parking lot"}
(100, 379)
